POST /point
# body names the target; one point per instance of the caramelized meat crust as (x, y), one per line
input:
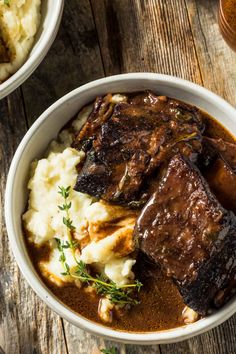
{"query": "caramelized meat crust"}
(127, 142)
(185, 230)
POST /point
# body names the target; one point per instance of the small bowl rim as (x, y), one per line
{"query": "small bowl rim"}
(224, 22)
(33, 61)
(158, 337)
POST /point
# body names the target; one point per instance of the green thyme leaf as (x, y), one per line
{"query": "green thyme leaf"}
(111, 350)
(62, 258)
(118, 295)
(65, 192)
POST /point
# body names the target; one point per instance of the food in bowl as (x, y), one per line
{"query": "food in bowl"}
(130, 219)
(19, 22)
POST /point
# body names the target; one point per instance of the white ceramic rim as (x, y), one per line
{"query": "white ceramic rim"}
(168, 336)
(36, 57)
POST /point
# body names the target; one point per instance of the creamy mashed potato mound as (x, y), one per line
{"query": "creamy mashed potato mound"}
(104, 231)
(19, 22)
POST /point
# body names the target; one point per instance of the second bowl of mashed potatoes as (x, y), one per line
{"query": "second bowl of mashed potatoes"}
(27, 30)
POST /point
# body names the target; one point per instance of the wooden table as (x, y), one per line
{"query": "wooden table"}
(98, 38)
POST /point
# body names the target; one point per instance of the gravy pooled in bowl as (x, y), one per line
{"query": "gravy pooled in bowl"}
(125, 221)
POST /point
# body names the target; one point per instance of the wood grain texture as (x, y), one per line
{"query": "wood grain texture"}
(79, 341)
(73, 60)
(217, 61)
(148, 35)
(178, 37)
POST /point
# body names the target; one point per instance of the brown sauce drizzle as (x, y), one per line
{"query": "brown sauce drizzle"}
(160, 305)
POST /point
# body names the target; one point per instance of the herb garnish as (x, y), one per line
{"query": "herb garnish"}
(111, 350)
(65, 192)
(61, 245)
(116, 294)
(62, 258)
(7, 2)
(186, 137)
(103, 286)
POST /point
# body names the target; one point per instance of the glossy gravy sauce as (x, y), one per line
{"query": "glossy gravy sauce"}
(161, 305)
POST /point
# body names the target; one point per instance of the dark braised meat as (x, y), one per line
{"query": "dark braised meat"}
(172, 107)
(127, 142)
(102, 110)
(185, 230)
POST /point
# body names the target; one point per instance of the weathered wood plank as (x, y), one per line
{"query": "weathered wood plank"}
(216, 60)
(146, 349)
(221, 340)
(26, 324)
(73, 60)
(146, 36)
(79, 341)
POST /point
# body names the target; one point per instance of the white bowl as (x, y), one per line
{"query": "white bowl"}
(51, 13)
(33, 146)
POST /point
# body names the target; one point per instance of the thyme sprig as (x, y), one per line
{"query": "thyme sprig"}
(70, 243)
(62, 258)
(111, 350)
(121, 295)
(186, 137)
(65, 192)
(116, 294)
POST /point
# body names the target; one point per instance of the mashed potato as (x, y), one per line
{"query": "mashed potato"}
(19, 22)
(105, 232)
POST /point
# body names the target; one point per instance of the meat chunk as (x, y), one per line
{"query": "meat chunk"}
(169, 106)
(103, 108)
(129, 144)
(185, 230)
(101, 112)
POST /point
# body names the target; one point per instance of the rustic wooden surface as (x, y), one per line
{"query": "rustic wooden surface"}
(97, 38)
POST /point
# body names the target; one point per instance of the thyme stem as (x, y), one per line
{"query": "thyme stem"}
(116, 294)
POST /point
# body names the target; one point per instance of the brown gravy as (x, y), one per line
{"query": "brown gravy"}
(160, 305)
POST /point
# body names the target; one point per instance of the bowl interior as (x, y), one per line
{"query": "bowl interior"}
(51, 11)
(33, 146)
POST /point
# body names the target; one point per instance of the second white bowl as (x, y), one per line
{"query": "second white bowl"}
(50, 20)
